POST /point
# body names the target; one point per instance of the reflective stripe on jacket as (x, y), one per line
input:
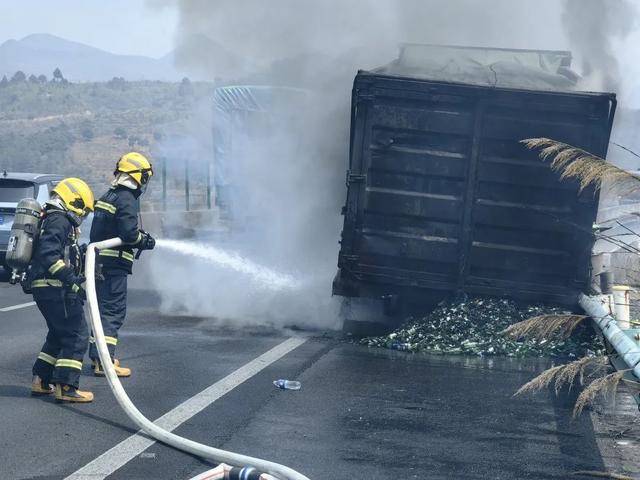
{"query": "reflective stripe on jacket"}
(116, 215)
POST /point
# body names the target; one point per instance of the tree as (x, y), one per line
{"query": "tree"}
(42, 78)
(120, 132)
(58, 77)
(33, 78)
(86, 130)
(87, 134)
(4, 82)
(185, 87)
(19, 76)
(117, 83)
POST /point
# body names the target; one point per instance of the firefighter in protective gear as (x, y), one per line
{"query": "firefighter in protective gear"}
(116, 215)
(55, 278)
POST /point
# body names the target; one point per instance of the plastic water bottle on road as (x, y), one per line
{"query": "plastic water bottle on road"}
(287, 384)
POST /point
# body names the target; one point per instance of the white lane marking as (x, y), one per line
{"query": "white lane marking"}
(128, 449)
(17, 307)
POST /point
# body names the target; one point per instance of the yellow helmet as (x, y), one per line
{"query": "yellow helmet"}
(135, 165)
(76, 195)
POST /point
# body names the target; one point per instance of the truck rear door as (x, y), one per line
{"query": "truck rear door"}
(442, 195)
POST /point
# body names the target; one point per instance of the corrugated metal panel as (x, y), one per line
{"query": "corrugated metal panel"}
(442, 195)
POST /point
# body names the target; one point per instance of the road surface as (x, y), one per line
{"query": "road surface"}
(361, 413)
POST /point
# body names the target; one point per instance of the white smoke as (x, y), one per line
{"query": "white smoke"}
(290, 177)
(600, 34)
(596, 30)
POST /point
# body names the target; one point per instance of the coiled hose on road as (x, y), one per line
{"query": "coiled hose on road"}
(147, 426)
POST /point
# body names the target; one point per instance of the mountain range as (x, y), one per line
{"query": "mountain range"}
(43, 53)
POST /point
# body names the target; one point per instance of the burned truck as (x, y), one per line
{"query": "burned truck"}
(442, 196)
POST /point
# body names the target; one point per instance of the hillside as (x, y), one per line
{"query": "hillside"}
(81, 129)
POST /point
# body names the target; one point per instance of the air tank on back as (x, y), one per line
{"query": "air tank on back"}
(23, 233)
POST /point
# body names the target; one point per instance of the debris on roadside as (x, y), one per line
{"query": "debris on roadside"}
(476, 326)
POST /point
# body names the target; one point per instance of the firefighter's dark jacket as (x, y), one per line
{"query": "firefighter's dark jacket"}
(57, 257)
(116, 215)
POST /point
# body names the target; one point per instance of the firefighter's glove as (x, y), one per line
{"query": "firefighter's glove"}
(147, 242)
(73, 286)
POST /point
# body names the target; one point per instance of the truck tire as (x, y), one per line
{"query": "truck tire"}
(367, 317)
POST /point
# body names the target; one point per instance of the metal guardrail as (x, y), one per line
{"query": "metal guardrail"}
(626, 347)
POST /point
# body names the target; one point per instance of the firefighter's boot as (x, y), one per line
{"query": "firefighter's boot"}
(122, 372)
(67, 393)
(39, 387)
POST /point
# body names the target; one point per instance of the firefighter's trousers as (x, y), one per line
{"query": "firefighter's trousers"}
(60, 360)
(112, 302)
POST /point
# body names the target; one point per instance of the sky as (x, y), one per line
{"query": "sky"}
(118, 26)
(150, 27)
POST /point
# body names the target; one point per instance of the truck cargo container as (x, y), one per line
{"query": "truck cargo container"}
(442, 196)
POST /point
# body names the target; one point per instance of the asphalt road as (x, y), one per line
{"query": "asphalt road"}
(361, 413)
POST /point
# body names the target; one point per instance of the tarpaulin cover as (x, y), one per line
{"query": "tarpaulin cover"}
(521, 69)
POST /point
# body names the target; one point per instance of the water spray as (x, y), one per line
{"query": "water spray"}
(268, 278)
(189, 446)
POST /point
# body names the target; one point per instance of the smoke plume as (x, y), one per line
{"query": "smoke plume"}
(595, 29)
(227, 38)
(599, 34)
(286, 182)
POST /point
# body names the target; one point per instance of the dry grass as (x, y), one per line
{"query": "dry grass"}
(545, 327)
(605, 387)
(578, 369)
(564, 375)
(588, 169)
(587, 367)
(541, 382)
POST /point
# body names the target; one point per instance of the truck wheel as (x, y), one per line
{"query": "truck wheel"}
(367, 317)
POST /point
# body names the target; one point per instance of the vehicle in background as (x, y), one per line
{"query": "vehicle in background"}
(442, 196)
(13, 188)
(252, 124)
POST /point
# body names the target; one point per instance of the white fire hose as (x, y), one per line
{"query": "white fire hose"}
(161, 435)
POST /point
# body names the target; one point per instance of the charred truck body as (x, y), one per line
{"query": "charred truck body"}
(443, 197)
